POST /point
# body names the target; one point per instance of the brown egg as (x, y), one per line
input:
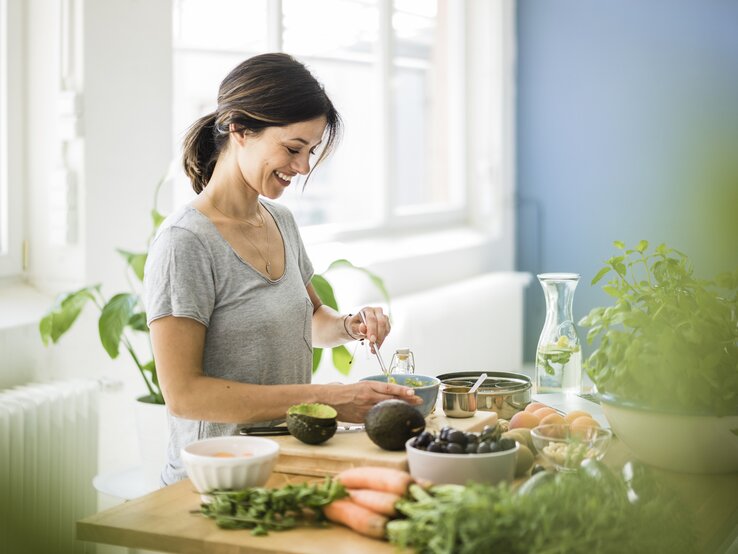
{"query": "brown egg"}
(540, 413)
(533, 406)
(581, 425)
(553, 419)
(571, 416)
(524, 419)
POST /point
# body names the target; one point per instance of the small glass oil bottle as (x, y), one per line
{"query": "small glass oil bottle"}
(402, 361)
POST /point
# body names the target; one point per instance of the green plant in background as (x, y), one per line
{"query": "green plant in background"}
(341, 355)
(124, 313)
(670, 340)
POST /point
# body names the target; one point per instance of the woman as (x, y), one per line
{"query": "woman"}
(232, 313)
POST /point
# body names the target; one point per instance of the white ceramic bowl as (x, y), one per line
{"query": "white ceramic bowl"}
(459, 469)
(208, 467)
(685, 443)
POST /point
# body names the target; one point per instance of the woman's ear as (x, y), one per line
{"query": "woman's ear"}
(239, 134)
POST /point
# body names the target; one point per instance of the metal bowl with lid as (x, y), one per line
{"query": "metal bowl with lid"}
(501, 392)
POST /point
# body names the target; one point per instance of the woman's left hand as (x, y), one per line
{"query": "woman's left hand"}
(371, 324)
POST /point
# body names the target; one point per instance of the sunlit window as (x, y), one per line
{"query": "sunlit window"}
(389, 67)
(11, 211)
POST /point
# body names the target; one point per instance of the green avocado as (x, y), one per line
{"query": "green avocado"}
(312, 423)
(390, 423)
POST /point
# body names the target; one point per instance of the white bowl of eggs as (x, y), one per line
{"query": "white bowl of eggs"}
(229, 463)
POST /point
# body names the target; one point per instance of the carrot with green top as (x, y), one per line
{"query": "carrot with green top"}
(383, 479)
(358, 518)
(376, 501)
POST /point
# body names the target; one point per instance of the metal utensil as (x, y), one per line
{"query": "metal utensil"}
(376, 348)
(476, 385)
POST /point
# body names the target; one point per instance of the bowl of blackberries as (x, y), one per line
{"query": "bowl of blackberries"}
(458, 457)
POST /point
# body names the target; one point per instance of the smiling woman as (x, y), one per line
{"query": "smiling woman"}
(229, 301)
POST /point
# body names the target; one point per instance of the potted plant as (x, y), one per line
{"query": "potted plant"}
(666, 366)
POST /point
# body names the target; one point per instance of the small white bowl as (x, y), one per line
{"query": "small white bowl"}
(458, 469)
(222, 463)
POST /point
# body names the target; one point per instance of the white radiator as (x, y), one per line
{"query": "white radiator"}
(48, 457)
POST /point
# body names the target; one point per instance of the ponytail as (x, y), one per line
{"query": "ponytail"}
(200, 152)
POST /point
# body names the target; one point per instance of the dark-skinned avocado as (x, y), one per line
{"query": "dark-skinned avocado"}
(390, 423)
(312, 423)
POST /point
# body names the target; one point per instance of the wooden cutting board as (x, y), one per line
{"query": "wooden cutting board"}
(353, 449)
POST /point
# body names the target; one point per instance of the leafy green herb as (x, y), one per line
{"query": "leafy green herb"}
(581, 512)
(670, 340)
(551, 354)
(263, 510)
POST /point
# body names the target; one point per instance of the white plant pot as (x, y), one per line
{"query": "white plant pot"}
(684, 443)
(153, 437)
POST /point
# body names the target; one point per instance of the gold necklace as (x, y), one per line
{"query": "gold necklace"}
(258, 212)
(267, 263)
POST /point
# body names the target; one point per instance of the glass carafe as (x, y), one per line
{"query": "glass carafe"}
(559, 355)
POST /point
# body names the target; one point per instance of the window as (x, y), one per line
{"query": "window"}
(10, 138)
(395, 71)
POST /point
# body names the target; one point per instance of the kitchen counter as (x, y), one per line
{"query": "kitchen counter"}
(164, 520)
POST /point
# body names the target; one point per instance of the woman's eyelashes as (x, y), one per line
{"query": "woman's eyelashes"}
(295, 151)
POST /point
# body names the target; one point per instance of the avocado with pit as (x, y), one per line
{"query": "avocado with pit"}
(390, 423)
(312, 423)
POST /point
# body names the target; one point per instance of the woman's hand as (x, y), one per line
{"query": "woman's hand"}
(354, 401)
(371, 324)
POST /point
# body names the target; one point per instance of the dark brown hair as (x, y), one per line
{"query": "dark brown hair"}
(269, 90)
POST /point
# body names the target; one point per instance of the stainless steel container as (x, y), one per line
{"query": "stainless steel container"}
(458, 401)
(502, 392)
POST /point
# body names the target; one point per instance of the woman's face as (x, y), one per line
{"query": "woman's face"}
(271, 159)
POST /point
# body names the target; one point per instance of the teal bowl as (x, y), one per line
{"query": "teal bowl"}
(426, 387)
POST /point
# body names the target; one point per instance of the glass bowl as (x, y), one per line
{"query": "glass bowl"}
(566, 448)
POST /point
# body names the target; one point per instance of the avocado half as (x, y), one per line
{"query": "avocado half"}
(390, 423)
(312, 423)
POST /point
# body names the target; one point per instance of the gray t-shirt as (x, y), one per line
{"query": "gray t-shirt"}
(258, 330)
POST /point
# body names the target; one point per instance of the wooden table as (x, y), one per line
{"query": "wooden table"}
(163, 520)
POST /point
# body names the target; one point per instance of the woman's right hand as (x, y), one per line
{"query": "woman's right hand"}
(354, 401)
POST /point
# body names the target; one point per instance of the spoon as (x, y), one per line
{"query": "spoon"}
(476, 385)
(376, 349)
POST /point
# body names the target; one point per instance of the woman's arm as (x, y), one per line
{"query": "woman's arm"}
(331, 328)
(178, 344)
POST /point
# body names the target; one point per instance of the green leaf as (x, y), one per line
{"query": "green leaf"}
(114, 317)
(157, 218)
(342, 359)
(138, 322)
(317, 355)
(135, 261)
(734, 431)
(600, 274)
(642, 246)
(612, 291)
(375, 279)
(619, 245)
(64, 313)
(324, 290)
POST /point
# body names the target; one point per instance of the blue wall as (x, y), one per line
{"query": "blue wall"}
(627, 129)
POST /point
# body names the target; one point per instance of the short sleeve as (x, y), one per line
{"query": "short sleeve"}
(178, 277)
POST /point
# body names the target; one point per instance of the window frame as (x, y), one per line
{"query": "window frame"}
(11, 138)
(394, 218)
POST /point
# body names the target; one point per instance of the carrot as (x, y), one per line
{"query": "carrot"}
(356, 517)
(376, 501)
(383, 479)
